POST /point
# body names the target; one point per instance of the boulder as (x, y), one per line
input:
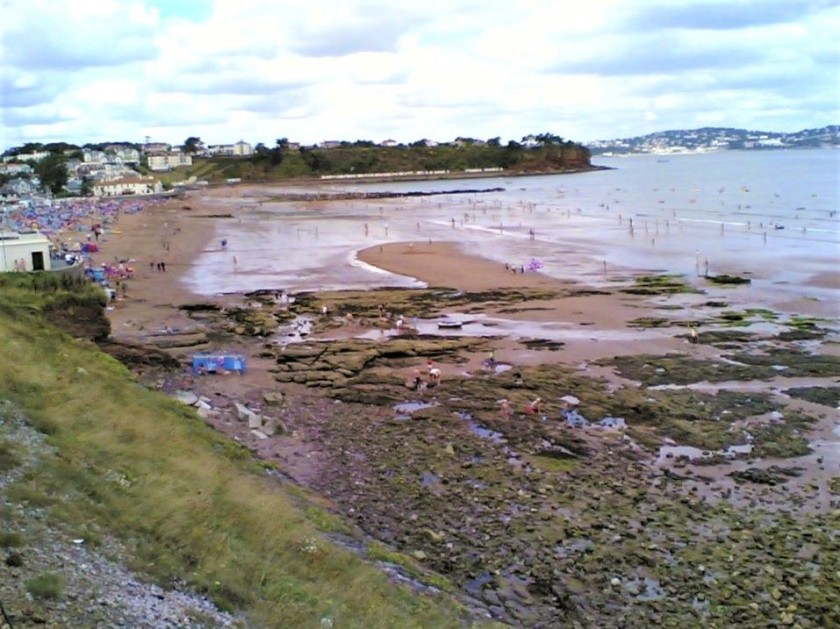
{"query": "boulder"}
(186, 397)
(273, 398)
(246, 414)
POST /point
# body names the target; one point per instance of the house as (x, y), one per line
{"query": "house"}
(120, 154)
(156, 147)
(168, 161)
(242, 149)
(20, 187)
(239, 149)
(16, 169)
(35, 156)
(91, 156)
(24, 251)
(127, 186)
(388, 143)
(329, 144)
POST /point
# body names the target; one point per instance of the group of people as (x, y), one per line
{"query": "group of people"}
(419, 383)
(157, 266)
(532, 408)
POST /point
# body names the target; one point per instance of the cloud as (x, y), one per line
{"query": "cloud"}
(260, 69)
(64, 35)
(372, 28)
(659, 53)
(26, 89)
(721, 15)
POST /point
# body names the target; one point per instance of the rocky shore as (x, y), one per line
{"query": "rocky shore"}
(559, 516)
(680, 468)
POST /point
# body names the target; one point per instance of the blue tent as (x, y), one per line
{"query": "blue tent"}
(215, 363)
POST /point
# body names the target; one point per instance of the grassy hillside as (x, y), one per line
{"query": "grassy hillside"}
(191, 505)
(277, 163)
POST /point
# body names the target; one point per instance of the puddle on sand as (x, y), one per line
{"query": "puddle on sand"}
(692, 453)
(474, 586)
(481, 431)
(405, 409)
(295, 332)
(645, 588)
(430, 479)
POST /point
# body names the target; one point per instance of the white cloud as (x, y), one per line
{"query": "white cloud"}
(349, 69)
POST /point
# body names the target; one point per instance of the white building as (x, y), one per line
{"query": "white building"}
(37, 156)
(24, 252)
(168, 161)
(242, 149)
(127, 186)
(238, 149)
(16, 169)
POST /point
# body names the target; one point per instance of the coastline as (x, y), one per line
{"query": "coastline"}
(342, 367)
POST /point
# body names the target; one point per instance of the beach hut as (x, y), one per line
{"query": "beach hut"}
(24, 251)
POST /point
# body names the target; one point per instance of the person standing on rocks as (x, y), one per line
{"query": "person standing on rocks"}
(504, 405)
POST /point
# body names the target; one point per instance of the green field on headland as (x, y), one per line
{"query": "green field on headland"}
(280, 163)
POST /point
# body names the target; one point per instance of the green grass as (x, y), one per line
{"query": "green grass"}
(137, 465)
(46, 586)
(9, 458)
(10, 539)
(380, 552)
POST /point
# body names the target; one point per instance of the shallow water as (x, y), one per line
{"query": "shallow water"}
(717, 207)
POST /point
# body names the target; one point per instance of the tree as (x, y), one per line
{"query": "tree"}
(87, 187)
(282, 143)
(192, 144)
(548, 138)
(497, 141)
(52, 170)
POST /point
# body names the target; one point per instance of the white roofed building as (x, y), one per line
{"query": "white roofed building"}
(128, 186)
(24, 252)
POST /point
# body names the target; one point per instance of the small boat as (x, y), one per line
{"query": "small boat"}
(449, 324)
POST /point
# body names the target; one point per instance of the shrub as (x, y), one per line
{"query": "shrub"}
(48, 585)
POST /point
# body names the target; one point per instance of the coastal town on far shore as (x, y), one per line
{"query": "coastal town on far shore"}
(120, 169)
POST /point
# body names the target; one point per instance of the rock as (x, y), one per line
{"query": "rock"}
(259, 434)
(206, 413)
(246, 414)
(419, 555)
(273, 398)
(274, 426)
(186, 397)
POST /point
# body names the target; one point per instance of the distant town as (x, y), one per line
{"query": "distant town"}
(717, 139)
(117, 169)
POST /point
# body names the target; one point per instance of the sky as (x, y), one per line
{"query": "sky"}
(259, 70)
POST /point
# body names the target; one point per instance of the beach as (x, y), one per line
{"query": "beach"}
(552, 395)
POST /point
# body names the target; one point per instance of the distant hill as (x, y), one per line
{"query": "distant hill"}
(447, 160)
(718, 138)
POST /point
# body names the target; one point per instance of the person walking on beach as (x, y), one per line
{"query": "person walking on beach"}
(163, 266)
(504, 405)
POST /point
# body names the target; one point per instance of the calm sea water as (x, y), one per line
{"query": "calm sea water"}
(773, 215)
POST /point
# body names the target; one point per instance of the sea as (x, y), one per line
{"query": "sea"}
(772, 216)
